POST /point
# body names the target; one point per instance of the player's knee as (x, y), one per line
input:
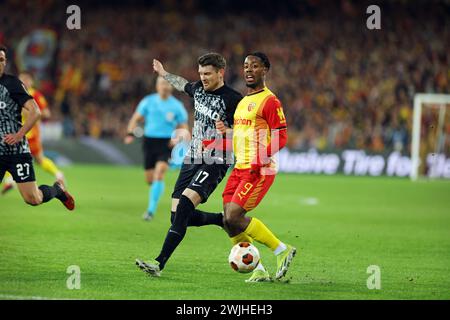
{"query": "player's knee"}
(149, 176)
(33, 199)
(224, 222)
(172, 217)
(232, 221)
(184, 212)
(186, 205)
(159, 175)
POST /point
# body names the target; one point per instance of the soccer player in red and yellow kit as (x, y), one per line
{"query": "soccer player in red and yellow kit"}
(34, 135)
(259, 132)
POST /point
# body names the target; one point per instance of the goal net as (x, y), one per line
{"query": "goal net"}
(430, 145)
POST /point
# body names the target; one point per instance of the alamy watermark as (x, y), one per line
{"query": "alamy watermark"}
(374, 20)
(74, 280)
(218, 149)
(73, 22)
(374, 280)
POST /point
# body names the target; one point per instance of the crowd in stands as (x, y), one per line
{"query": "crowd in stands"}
(341, 84)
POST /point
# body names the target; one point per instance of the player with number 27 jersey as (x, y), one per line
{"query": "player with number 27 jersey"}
(15, 156)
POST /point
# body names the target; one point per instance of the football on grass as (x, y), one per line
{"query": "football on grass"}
(244, 257)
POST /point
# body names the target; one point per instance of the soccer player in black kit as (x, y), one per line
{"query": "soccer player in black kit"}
(15, 154)
(205, 164)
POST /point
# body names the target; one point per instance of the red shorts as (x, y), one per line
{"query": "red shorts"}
(35, 146)
(244, 190)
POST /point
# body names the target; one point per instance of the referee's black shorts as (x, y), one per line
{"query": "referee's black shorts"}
(202, 178)
(155, 149)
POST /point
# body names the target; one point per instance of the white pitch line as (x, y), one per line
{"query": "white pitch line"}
(309, 201)
(14, 297)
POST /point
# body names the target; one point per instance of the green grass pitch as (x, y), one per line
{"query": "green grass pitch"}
(341, 225)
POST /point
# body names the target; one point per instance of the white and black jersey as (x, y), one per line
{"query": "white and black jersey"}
(13, 96)
(210, 107)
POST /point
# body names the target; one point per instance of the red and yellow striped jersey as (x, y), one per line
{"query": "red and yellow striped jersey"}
(256, 115)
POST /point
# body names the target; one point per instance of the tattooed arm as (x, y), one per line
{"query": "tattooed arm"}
(176, 81)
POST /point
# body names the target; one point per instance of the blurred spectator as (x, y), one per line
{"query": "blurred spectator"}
(67, 121)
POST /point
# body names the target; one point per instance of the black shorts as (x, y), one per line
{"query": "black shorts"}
(202, 178)
(155, 149)
(20, 166)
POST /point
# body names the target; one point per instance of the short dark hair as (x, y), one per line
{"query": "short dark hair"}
(262, 56)
(212, 59)
(4, 49)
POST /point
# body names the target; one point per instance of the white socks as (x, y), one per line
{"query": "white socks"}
(281, 247)
(260, 267)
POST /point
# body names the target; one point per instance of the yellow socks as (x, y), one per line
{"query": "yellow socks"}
(256, 230)
(49, 166)
(259, 232)
(241, 237)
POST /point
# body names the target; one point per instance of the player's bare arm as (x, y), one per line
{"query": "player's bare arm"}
(46, 114)
(132, 124)
(34, 114)
(176, 81)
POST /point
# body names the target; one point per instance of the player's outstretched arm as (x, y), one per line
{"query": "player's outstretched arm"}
(176, 81)
(33, 115)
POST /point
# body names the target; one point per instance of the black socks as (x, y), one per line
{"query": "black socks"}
(200, 218)
(50, 192)
(177, 231)
(186, 216)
